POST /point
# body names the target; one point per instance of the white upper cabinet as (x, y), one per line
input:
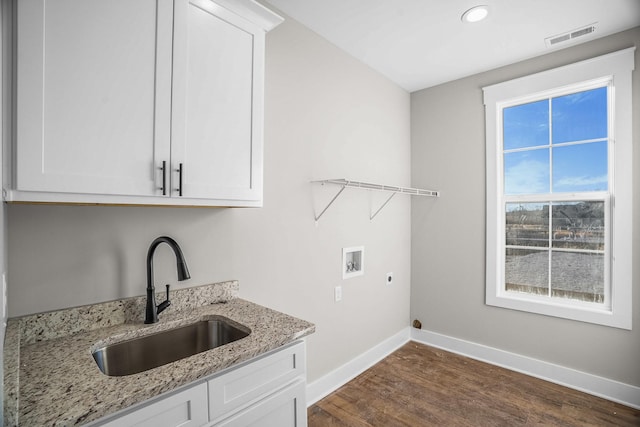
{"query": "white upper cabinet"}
(93, 95)
(110, 91)
(217, 132)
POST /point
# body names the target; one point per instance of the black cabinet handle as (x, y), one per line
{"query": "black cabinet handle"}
(164, 177)
(180, 180)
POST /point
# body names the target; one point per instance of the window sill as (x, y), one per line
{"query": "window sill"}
(582, 312)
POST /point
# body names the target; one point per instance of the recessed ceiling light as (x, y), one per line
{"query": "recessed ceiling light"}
(476, 14)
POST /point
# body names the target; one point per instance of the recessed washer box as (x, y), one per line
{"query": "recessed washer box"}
(352, 262)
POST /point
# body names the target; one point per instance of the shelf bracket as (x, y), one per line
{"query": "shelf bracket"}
(330, 202)
(383, 205)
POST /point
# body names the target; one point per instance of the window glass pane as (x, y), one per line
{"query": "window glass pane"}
(578, 276)
(578, 225)
(580, 116)
(526, 172)
(527, 271)
(526, 125)
(527, 224)
(581, 167)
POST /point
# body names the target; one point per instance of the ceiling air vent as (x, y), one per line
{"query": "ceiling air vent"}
(571, 35)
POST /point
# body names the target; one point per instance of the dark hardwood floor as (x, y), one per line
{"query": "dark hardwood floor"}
(423, 386)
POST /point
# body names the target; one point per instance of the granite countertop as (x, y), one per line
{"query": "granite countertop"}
(50, 377)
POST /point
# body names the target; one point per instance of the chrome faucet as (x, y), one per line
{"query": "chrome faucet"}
(152, 311)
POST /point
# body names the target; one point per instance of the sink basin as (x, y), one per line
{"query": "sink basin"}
(150, 351)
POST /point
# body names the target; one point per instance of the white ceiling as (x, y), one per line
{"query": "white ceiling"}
(422, 43)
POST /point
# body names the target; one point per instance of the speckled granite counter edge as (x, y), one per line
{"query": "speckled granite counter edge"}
(11, 367)
(93, 321)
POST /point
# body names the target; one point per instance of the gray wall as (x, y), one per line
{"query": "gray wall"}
(327, 116)
(448, 237)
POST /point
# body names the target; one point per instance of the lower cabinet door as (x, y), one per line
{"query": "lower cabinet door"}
(285, 408)
(187, 408)
(250, 383)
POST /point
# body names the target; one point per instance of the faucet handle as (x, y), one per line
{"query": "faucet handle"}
(164, 304)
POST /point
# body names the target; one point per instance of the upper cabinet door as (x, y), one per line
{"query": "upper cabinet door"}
(217, 103)
(93, 95)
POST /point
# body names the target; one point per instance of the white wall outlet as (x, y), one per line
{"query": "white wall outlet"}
(337, 293)
(389, 278)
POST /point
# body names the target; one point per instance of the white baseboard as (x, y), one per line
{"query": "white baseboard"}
(616, 391)
(345, 373)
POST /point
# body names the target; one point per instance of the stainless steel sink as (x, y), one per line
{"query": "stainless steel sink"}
(150, 351)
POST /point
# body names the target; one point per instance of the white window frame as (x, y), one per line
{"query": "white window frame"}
(616, 70)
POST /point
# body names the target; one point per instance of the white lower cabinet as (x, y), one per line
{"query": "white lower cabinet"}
(187, 408)
(285, 408)
(268, 391)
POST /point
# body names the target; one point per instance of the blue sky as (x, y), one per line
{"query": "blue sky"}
(578, 165)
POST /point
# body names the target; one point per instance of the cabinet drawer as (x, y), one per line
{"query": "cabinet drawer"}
(285, 408)
(249, 383)
(187, 408)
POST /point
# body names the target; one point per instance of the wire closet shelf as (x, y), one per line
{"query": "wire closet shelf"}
(344, 183)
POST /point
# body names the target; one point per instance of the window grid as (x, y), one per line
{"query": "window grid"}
(549, 200)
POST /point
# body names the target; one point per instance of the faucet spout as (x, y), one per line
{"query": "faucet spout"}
(152, 311)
